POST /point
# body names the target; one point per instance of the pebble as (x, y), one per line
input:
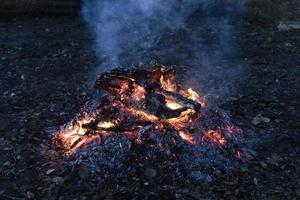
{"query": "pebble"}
(7, 164)
(30, 195)
(260, 119)
(58, 180)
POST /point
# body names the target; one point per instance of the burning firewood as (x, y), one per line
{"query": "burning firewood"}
(136, 98)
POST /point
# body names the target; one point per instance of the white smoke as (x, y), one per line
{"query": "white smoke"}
(129, 32)
(128, 28)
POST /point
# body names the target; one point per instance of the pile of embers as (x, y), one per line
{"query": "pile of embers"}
(143, 107)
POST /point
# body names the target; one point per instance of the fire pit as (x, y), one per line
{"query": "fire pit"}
(142, 106)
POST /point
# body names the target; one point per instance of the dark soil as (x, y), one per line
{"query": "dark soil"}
(45, 63)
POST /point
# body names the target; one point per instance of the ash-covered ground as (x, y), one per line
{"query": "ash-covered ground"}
(44, 64)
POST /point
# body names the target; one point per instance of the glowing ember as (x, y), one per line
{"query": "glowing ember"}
(215, 137)
(187, 137)
(167, 84)
(238, 154)
(106, 124)
(193, 95)
(139, 93)
(182, 121)
(172, 104)
(139, 102)
(139, 114)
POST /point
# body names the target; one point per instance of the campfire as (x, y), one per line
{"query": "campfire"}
(142, 102)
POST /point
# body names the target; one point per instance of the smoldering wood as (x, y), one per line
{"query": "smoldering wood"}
(180, 99)
(120, 82)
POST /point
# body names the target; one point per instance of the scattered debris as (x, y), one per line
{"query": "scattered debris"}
(50, 171)
(288, 25)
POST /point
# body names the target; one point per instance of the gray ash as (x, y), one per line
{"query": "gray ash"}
(143, 120)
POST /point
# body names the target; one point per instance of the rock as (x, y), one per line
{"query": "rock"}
(255, 181)
(178, 196)
(7, 164)
(30, 195)
(288, 25)
(22, 77)
(287, 44)
(263, 165)
(150, 173)
(58, 180)
(260, 119)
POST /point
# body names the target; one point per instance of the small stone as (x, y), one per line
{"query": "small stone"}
(255, 181)
(62, 113)
(265, 119)
(263, 164)
(58, 180)
(260, 119)
(30, 195)
(7, 164)
(209, 179)
(22, 77)
(288, 44)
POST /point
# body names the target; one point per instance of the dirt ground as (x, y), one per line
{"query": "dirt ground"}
(45, 62)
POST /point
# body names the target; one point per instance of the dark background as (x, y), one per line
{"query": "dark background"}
(33, 7)
(46, 56)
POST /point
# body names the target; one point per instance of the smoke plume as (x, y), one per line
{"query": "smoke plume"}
(200, 34)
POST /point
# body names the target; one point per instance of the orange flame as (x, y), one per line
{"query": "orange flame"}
(167, 84)
(140, 114)
(193, 95)
(187, 137)
(138, 92)
(214, 136)
(106, 124)
(182, 121)
(172, 104)
(75, 135)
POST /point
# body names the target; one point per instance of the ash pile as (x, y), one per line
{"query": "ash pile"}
(144, 120)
